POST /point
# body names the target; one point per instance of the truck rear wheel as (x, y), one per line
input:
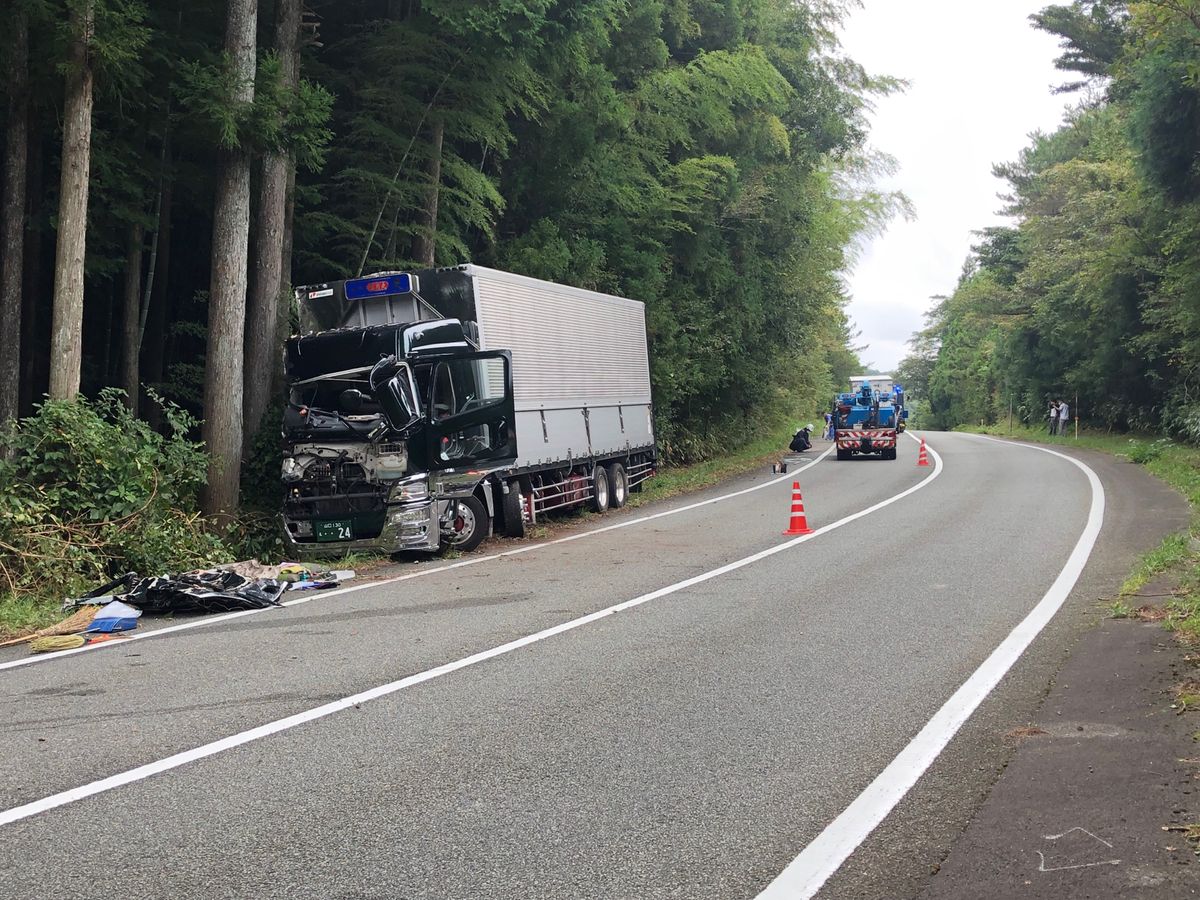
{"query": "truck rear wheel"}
(469, 526)
(889, 454)
(618, 483)
(514, 518)
(600, 490)
(843, 454)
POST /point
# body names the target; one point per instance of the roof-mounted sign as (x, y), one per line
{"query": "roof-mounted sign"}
(381, 286)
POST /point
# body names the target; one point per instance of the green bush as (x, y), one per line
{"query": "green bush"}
(1143, 453)
(88, 491)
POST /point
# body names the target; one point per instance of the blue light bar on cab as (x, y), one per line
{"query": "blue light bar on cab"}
(381, 286)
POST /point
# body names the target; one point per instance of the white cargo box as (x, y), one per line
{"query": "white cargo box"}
(581, 371)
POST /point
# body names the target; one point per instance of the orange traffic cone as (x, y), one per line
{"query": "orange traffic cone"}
(799, 522)
(923, 456)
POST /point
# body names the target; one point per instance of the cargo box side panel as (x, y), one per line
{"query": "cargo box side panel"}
(554, 436)
(581, 371)
(570, 347)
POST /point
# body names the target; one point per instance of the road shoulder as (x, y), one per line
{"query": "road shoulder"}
(918, 837)
(1105, 765)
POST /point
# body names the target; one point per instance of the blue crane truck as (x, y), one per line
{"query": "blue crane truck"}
(429, 409)
(869, 421)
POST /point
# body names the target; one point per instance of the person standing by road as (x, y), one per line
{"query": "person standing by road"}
(1053, 414)
(1064, 417)
(828, 434)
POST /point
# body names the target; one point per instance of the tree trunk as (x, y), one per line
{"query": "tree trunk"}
(12, 217)
(35, 333)
(425, 244)
(66, 336)
(105, 303)
(225, 359)
(283, 318)
(131, 318)
(263, 352)
(158, 315)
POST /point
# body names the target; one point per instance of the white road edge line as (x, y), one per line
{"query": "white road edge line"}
(367, 585)
(809, 871)
(73, 795)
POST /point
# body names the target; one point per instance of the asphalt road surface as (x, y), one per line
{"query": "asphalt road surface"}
(496, 729)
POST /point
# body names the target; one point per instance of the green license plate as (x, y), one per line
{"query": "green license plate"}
(337, 530)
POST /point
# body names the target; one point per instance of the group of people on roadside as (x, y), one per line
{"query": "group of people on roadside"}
(1060, 416)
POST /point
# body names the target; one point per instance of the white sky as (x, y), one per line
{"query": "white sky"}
(980, 82)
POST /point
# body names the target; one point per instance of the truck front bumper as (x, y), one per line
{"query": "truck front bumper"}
(408, 527)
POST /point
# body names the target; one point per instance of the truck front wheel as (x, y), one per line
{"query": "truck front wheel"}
(469, 525)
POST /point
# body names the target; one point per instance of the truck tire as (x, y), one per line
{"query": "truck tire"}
(843, 454)
(470, 526)
(514, 518)
(601, 494)
(618, 483)
(889, 454)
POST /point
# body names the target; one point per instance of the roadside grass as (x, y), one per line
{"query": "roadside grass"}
(1174, 550)
(676, 480)
(1179, 466)
(23, 614)
(1187, 696)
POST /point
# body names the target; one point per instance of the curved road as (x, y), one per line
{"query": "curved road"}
(691, 744)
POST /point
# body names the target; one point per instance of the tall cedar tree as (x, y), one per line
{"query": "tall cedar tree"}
(225, 358)
(66, 345)
(271, 279)
(12, 214)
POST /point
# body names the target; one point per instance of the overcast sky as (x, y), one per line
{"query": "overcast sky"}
(980, 82)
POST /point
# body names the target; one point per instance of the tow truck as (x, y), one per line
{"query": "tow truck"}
(869, 421)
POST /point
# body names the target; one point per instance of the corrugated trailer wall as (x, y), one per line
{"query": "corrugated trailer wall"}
(581, 372)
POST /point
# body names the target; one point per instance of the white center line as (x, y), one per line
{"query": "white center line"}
(219, 746)
(368, 585)
(809, 871)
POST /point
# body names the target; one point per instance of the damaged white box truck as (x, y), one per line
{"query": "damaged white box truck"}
(428, 409)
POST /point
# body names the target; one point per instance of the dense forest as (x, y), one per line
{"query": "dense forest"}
(1094, 291)
(173, 167)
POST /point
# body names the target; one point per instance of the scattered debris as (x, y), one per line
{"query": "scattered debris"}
(115, 616)
(54, 643)
(252, 569)
(73, 624)
(1026, 731)
(1150, 613)
(205, 592)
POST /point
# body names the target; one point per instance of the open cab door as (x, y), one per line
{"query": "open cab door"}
(471, 415)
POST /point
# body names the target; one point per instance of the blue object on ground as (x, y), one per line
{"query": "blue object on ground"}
(115, 616)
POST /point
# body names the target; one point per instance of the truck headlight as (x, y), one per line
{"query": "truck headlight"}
(410, 490)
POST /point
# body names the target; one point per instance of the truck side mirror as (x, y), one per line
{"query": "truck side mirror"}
(395, 390)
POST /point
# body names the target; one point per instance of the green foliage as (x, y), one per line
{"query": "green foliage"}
(1142, 452)
(1091, 34)
(92, 491)
(1164, 119)
(704, 156)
